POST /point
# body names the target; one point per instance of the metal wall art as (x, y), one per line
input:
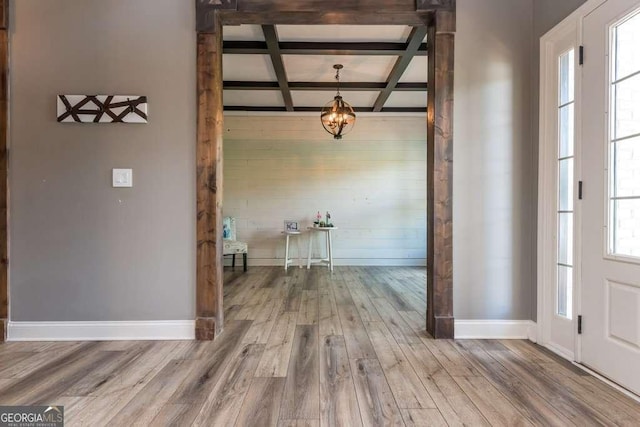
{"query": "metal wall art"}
(102, 108)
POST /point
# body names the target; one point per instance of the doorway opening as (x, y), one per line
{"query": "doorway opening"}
(439, 21)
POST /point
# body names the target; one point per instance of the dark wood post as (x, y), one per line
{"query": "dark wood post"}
(209, 312)
(4, 126)
(441, 44)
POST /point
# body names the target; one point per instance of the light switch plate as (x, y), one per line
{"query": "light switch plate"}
(123, 177)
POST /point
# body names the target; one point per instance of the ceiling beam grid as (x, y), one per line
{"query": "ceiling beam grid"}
(271, 37)
(413, 44)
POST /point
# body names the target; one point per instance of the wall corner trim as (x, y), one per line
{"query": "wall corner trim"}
(496, 329)
(102, 331)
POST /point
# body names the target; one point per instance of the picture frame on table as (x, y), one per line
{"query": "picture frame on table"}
(291, 226)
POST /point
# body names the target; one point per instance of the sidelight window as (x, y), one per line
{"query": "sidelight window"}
(565, 156)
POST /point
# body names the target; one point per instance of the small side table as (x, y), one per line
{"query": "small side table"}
(328, 261)
(289, 261)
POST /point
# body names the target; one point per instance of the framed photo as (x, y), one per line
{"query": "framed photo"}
(290, 226)
(228, 228)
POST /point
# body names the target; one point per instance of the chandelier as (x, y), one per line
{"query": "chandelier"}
(337, 116)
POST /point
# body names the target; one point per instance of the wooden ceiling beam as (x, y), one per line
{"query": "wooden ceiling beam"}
(364, 17)
(377, 6)
(413, 43)
(324, 86)
(348, 12)
(322, 48)
(286, 12)
(271, 38)
(254, 108)
(355, 48)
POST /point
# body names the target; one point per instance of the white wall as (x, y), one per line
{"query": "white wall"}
(548, 13)
(131, 254)
(80, 249)
(373, 183)
(494, 188)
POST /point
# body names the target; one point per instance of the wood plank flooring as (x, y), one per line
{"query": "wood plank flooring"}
(311, 348)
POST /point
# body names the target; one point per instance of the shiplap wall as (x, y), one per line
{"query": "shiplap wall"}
(373, 183)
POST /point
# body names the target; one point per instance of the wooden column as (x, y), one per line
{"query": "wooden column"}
(441, 44)
(4, 126)
(209, 313)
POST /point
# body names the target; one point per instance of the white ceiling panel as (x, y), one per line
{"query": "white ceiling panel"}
(248, 67)
(302, 98)
(343, 33)
(243, 33)
(416, 71)
(319, 68)
(253, 98)
(407, 99)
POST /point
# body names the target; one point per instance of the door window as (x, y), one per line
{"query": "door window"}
(624, 146)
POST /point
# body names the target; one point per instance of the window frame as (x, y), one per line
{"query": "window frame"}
(609, 216)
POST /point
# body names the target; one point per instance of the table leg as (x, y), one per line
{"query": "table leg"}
(330, 251)
(286, 252)
(299, 253)
(326, 243)
(309, 252)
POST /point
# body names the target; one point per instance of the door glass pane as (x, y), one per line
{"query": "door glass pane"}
(566, 130)
(624, 149)
(566, 77)
(565, 291)
(626, 227)
(565, 238)
(626, 166)
(626, 107)
(565, 183)
(566, 124)
(627, 40)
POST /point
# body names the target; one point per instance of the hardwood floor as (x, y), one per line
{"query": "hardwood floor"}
(310, 348)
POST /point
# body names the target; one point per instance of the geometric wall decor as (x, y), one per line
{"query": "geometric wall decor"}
(102, 108)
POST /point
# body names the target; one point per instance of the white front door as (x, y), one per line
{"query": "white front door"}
(610, 124)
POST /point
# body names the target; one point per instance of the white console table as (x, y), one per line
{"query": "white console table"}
(328, 261)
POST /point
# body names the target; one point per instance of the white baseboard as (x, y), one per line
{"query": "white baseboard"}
(495, 329)
(102, 331)
(185, 330)
(381, 262)
(560, 351)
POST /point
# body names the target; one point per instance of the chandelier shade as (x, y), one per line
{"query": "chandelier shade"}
(337, 116)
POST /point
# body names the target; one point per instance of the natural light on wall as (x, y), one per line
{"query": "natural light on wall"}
(624, 147)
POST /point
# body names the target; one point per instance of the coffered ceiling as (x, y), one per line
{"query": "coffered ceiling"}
(290, 67)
